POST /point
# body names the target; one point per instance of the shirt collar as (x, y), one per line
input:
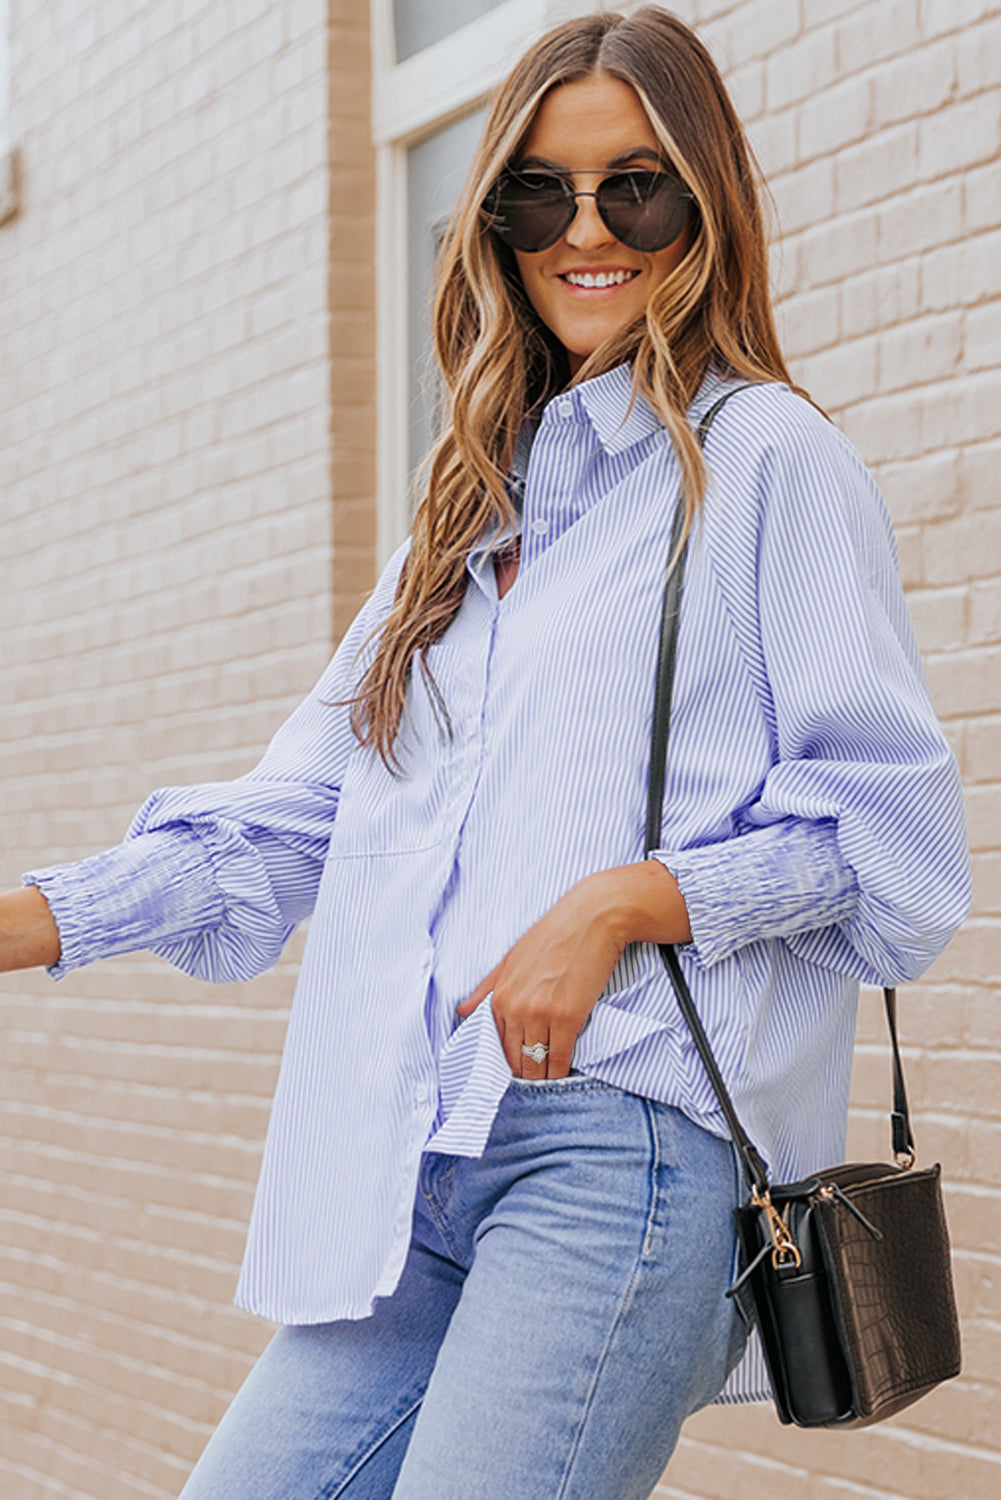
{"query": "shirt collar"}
(621, 419)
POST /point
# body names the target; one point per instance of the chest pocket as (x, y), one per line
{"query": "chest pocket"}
(383, 813)
(386, 812)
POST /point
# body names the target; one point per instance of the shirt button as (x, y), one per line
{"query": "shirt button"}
(540, 526)
(423, 1093)
(564, 408)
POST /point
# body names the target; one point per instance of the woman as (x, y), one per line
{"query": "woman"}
(494, 1215)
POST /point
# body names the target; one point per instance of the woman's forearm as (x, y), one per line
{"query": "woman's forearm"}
(642, 903)
(28, 933)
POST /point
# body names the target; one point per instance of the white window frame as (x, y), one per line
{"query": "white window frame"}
(411, 100)
(8, 184)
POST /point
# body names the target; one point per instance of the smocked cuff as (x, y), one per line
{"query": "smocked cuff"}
(153, 887)
(786, 878)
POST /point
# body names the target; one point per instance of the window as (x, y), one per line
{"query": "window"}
(435, 170)
(435, 64)
(421, 23)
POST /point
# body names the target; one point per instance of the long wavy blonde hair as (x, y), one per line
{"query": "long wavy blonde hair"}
(498, 360)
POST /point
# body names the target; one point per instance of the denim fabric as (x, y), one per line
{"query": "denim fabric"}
(560, 1314)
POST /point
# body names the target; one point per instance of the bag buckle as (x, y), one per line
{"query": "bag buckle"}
(784, 1251)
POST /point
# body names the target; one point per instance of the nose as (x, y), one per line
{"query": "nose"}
(587, 229)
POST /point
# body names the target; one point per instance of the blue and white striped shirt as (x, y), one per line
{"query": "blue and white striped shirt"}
(812, 816)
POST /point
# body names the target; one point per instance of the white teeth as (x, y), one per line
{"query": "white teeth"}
(603, 278)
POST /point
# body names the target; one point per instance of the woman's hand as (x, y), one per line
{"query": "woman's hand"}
(28, 934)
(546, 986)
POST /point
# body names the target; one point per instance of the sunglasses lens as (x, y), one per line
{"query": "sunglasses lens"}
(645, 210)
(530, 210)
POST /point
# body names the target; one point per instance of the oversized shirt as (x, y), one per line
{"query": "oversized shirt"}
(812, 817)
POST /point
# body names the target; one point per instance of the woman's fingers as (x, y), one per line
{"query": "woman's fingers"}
(534, 1066)
(551, 1042)
(547, 984)
(562, 1040)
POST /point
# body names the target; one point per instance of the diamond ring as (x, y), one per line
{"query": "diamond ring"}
(538, 1053)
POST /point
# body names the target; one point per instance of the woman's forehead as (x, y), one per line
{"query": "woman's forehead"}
(595, 122)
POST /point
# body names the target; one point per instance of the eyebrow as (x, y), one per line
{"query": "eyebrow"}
(616, 161)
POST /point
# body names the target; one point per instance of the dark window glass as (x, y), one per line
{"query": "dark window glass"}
(421, 23)
(436, 168)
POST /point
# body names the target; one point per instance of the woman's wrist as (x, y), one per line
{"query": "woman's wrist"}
(29, 936)
(641, 903)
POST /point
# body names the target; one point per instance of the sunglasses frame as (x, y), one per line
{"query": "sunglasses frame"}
(563, 176)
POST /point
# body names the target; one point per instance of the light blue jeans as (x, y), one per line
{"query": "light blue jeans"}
(561, 1312)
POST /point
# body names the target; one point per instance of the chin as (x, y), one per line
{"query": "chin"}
(579, 352)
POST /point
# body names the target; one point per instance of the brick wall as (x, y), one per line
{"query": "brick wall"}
(878, 125)
(184, 471)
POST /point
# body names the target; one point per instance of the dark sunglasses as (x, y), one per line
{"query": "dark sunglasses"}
(532, 210)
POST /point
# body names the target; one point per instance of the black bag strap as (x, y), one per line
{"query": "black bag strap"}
(900, 1119)
(669, 616)
(754, 1167)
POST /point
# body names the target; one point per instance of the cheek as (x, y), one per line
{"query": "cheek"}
(531, 279)
(667, 260)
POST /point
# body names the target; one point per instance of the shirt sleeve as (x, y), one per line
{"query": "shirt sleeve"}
(216, 877)
(854, 851)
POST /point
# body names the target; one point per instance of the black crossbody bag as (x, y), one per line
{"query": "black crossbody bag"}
(846, 1275)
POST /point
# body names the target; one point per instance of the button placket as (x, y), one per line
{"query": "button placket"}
(554, 445)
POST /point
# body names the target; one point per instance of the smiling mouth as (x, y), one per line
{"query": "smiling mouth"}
(598, 280)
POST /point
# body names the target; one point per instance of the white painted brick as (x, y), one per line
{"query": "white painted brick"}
(839, 249)
(915, 83)
(939, 615)
(878, 31)
(886, 429)
(842, 374)
(965, 547)
(969, 272)
(805, 196)
(862, 172)
(810, 321)
(961, 411)
(980, 473)
(837, 117)
(953, 15)
(923, 489)
(982, 341)
(267, 35)
(962, 134)
(978, 56)
(299, 20)
(746, 86)
(982, 197)
(102, 317)
(805, 67)
(919, 352)
(920, 219)
(985, 624)
(754, 29)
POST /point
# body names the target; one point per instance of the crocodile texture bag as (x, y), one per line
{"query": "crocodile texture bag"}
(848, 1279)
(846, 1275)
